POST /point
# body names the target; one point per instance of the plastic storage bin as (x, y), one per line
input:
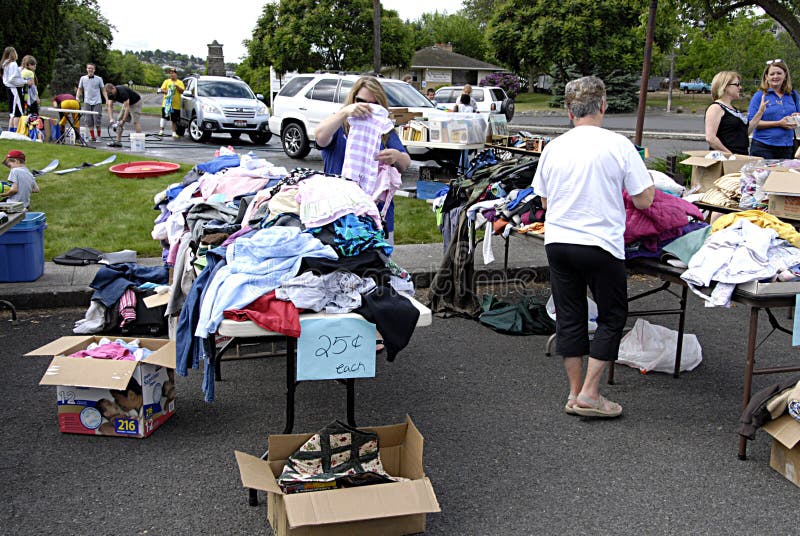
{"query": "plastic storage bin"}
(22, 250)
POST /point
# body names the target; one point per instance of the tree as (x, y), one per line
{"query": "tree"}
(705, 50)
(308, 35)
(785, 12)
(463, 33)
(37, 35)
(84, 37)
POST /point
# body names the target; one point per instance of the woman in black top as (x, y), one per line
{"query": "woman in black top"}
(727, 128)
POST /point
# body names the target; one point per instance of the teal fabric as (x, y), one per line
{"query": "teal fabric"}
(686, 246)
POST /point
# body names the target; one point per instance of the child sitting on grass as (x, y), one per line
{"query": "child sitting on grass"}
(21, 180)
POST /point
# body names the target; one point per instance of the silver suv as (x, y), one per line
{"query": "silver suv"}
(490, 99)
(307, 99)
(217, 104)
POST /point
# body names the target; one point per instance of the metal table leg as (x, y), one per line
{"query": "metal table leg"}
(748, 372)
(10, 306)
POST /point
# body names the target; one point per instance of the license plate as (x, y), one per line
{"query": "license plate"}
(240, 123)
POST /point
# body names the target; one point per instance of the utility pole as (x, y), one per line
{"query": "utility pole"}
(648, 53)
(671, 76)
(376, 36)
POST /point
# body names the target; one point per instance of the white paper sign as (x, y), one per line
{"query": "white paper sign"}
(335, 348)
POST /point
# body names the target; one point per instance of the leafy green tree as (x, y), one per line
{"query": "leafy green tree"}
(84, 36)
(37, 35)
(307, 35)
(464, 33)
(705, 50)
(785, 12)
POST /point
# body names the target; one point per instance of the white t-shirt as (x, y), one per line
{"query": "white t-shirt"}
(582, 174)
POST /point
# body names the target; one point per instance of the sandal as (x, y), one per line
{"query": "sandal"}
(602, 407)
(570, 410)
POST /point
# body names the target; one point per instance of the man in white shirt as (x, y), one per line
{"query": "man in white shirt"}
(92, 89)
(580, 177)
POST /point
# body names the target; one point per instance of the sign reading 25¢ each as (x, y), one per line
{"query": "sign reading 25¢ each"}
(335, 348)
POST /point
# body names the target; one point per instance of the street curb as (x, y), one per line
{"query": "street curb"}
(81, 296)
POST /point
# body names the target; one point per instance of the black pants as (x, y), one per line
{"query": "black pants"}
(573, 268)
(771, 152)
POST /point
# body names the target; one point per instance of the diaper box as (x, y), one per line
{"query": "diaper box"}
(107, 397)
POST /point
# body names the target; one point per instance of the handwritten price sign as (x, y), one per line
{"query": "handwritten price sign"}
(335, 348)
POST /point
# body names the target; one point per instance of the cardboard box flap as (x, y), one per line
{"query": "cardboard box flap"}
(61, 345)
(357, 504)
(157, 299)
(700, 161)
(164, 356)
(82, 372)
(785, 429)
(782, 182)
(255, 473)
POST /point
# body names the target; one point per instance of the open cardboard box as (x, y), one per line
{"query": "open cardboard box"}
(785, 455)
(783, 188)
(109, 397)
(387, 509)
(706, 170)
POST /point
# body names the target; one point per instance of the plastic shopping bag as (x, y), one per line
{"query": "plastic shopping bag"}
(551, 310)
(650, 347)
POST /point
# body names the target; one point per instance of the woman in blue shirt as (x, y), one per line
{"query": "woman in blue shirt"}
(331, 135)
(774, 135)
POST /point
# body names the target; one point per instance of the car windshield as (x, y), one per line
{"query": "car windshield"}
(405, 95)
(224, 88)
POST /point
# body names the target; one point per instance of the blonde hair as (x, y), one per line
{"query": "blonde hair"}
(786, 87)
(27, 61)
(373, 86)
(721, 81)
(9, 54)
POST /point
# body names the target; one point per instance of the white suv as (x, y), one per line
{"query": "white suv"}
(307, 99)
(490, 99)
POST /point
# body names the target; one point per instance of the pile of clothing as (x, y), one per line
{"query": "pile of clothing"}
(250, 241)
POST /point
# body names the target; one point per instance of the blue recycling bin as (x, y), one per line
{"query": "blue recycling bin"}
(22, 250)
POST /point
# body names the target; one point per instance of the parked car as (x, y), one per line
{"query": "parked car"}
(490, 99)
(218, 104)
(307, 99)
(695, 86)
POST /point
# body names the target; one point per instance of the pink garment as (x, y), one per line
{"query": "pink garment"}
(661, 220)
(363, 144)
(231, 184)
(324, 199)
(389, 181)
(127, 307)
(107, 351)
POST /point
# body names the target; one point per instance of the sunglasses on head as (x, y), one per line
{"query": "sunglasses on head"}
(365, 101)
(770, 62)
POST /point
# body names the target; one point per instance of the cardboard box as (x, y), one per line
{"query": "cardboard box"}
(765, 289)
(108, 397)
(783, 188)
(706, 170)
(387, 509)
(401, 116)
(785, 455)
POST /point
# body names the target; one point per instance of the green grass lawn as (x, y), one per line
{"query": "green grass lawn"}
(691, 103)
(94, 208)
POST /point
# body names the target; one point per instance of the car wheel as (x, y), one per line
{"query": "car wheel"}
(260, 138)
(705, 90)
(196, 133)
(295, 142)
(180, 129)
(235, 135)
(508, 108)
